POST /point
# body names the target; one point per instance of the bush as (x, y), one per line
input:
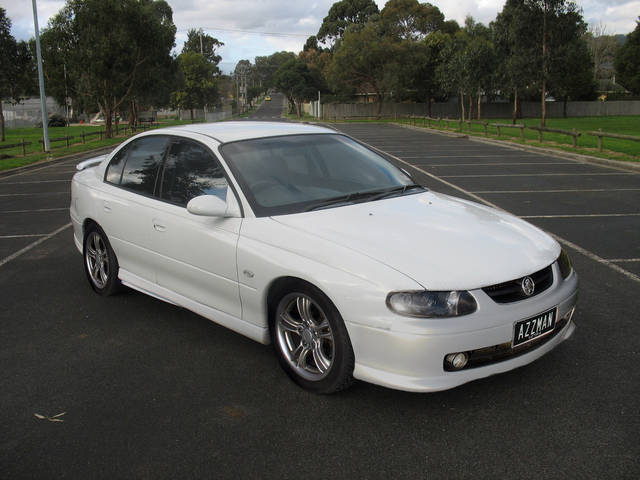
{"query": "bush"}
(57, 120)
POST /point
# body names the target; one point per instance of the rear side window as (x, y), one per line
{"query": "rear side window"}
(143, 159)
(191, 170)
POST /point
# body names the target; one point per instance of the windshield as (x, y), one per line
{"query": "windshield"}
(296, 173)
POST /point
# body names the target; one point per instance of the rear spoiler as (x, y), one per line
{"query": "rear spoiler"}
(92, 162)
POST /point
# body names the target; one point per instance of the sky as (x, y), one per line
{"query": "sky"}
(251, 28)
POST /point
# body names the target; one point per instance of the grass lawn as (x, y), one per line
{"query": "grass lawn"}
(13, 157)
(587, 144)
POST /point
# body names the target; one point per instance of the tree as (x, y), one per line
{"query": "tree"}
(107, 45)
(627, 61)
(267, 66)
(367, 60)
(516, 51)
(409, 19)
(602, 48)
(203, 44)
(297, 82)
(343, 14)
(15, 68)
(197, 86)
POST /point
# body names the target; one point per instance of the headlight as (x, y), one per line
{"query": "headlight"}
(564, 263)
(432, 304)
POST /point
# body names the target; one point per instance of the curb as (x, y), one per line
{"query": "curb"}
(617, 164)
(53, 161)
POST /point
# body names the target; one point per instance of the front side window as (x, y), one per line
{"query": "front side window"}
(297, 173)
(191, 170)
(143, 160)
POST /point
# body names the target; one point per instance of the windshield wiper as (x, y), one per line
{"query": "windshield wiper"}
(346, 199)
(371, 195)
(401, 190)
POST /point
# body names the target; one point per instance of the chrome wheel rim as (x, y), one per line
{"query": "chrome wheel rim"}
(97, 259)
(305, 337)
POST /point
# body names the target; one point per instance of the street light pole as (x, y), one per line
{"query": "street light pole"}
(43, 98)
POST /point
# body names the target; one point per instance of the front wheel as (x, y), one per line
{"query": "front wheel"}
(100, 262)
(311, 340)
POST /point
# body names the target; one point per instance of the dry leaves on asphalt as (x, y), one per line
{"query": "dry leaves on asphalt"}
(55, 418)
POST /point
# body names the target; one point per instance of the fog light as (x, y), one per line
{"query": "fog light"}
(457, 360)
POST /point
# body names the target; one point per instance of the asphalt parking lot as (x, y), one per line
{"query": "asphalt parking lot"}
(153, 391)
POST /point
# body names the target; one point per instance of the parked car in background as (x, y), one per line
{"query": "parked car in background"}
(299, 236)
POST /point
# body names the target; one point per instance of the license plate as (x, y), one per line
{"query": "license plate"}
(535, 327)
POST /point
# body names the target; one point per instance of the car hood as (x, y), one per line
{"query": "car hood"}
(441, 242)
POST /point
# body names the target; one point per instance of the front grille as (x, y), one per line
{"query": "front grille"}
(498, 353)
(511, 291)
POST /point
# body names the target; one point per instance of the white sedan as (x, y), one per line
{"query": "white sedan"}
(302, 237)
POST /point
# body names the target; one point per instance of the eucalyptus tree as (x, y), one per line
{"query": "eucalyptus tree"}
(345, 14)
(627, 61)
(108, 46)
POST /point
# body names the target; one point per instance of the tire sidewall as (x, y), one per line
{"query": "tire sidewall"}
(113, 282)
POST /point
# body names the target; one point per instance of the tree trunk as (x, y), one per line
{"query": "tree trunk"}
(462, 104)
(191, 114)
(429, 105)
(479, 103)
(380, 98)
(564, 106)
(133, 118)
(515, 106)
(108, 113)
(2, 122)
(299, 109)
(543, 106)
(470, 107)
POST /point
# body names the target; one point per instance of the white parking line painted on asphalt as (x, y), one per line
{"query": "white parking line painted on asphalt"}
(587, 215)
(622, 260)
(39, 194)
(36, 210)
(571, 245)
(31, 246)
(560, 191)
(537, 175)
(3, 237)
(36, 181)
(492, 164)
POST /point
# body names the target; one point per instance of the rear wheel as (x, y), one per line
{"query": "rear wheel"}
(311, 340)
(100, 262)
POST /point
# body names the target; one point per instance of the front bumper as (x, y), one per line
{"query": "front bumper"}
(409, 355)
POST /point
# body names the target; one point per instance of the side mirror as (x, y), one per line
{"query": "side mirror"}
(212, 206)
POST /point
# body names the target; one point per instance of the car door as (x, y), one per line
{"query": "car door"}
(125, 203)
(195, 255)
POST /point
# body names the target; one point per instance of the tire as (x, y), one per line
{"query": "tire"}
(100, 262)
(310, 339)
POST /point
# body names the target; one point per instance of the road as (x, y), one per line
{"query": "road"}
(153, 391)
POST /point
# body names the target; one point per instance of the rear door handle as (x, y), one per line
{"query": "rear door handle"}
(158, 226)
(106, 206)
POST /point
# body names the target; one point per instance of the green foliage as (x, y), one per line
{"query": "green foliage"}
(197, 86)
(107, 47)
(267, 66)
(627, 61)
(297, 82)
(207, 47)
(409, 19)
(344, 14)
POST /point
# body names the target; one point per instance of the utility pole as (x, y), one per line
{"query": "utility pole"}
(43, 98)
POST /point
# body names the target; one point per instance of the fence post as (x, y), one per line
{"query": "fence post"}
(486, 133)
(67, 139)
(498, 127)
(100, 132)
(522, 134)
(600, 140)
(575, 138)
(82, 135)
(540, 136)
(24, 148)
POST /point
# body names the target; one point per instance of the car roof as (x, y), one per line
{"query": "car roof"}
(240, 130)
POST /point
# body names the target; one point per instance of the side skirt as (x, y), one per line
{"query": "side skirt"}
(254, 332)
